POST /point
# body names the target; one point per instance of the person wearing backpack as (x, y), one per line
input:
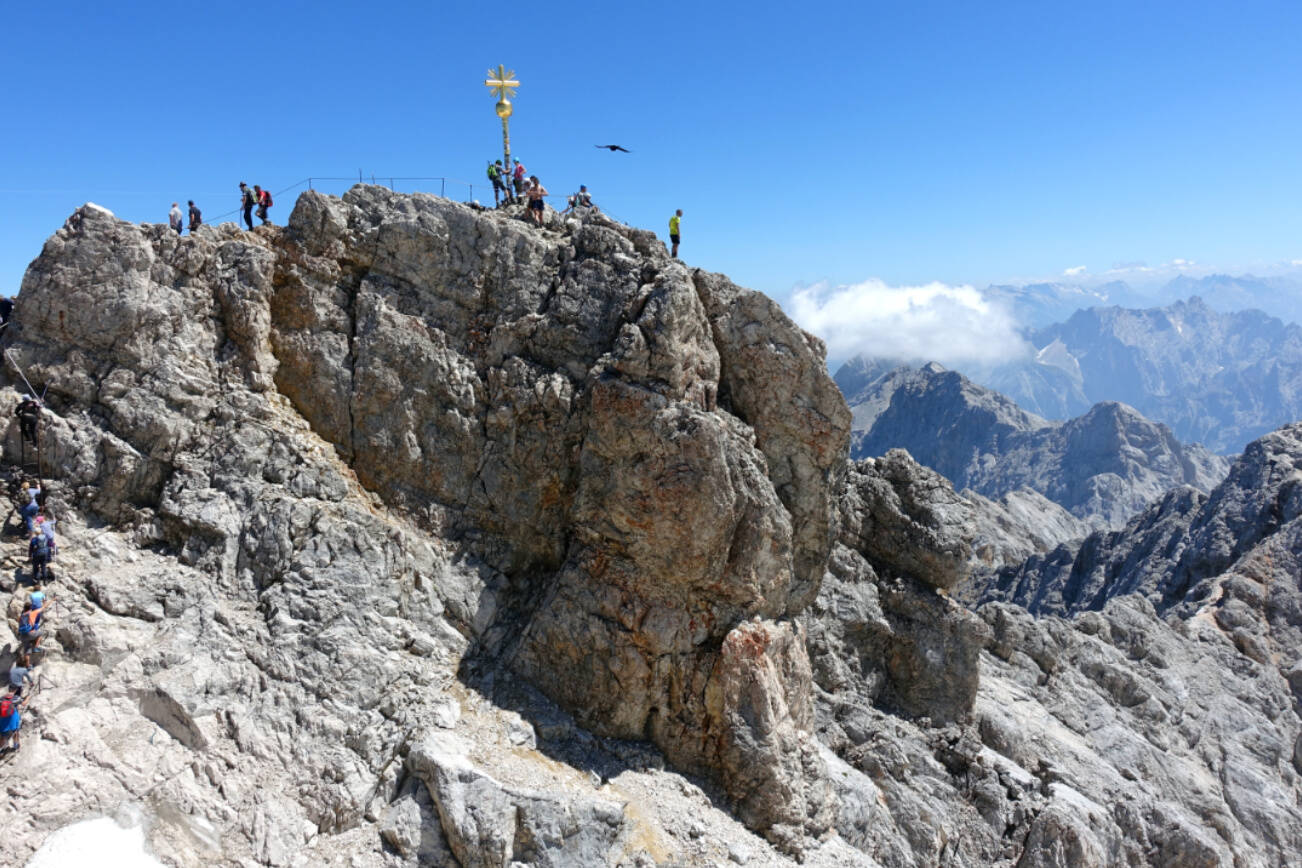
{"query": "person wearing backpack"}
(495, 172)
(38, 552)
(29, 414)
(247, 201)
(22, 674)
(11, 720)
(264, 202)
(196, 217)
(31, 628)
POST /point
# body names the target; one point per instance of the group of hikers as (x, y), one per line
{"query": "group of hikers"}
(253, 200)
(38, 526)
(511, 185)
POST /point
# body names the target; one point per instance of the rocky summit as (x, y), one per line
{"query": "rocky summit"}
(412, 534)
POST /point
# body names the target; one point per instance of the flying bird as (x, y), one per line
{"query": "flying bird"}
(614, 148)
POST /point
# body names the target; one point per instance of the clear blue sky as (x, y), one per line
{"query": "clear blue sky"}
(909, 141)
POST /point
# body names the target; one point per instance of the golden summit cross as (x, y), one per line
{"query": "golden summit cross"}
(504, 84)
(502, 81)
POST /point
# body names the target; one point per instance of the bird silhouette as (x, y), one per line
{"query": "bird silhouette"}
(614, 148)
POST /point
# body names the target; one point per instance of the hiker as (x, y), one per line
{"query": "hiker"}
(518, 176)
(36, 598)
(6, 310)
(196, 217)
(674, 222)
(31, 627)
(581, 199)
(247, 201)
(495, 172)
(31, 490)
(45, 522)
(38, 554)
(10, 720)
(28, 413)
(21, 674)
(264, 202)
(174, 218)
(536, 193)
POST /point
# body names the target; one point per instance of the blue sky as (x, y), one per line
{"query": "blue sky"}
(834, 142)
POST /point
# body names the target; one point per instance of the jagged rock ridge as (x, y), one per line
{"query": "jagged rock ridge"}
(1102, 467)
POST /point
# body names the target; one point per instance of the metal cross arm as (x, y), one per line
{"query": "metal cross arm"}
(501, 81)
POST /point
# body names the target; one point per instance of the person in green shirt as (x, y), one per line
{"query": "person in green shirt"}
(673, 231)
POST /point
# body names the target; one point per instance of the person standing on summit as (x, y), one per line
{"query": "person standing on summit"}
(174, 218)
(674, 236)
(247, 201)
(196, 217)
(518, 178)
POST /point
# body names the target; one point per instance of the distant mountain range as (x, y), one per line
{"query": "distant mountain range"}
(1221, 379)
(1217, 378)
(1037, 305)
(1102, 467)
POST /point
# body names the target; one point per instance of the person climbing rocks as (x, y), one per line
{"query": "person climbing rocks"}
(30, 492)
(36, 597)
(174, 218)
(45, 522)
(247, 201)
(29, 414)
(495, 174)
(675, 222)
(31, 628)
(196, 217)
(22, 674)
(11, 720)
(536, 193)
(518, 177)
(38, 554)
(264, 202)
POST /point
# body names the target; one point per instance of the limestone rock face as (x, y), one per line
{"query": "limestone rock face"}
(998, 739)
(410, 534)
(558, 453)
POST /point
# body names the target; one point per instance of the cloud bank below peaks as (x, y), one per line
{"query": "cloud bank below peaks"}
(953, 325)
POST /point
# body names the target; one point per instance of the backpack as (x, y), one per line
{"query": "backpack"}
(266, 199)
(42, 546)
(27, 625)
(8, 706)
(492, 172)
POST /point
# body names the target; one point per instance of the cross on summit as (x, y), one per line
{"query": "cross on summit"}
(502, 82)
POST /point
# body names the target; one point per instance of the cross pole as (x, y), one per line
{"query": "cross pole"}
(503, 84)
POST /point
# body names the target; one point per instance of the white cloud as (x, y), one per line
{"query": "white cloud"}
(1074, 271)
(948, 324)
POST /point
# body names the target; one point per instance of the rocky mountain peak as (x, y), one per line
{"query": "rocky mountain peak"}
(411, 534)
